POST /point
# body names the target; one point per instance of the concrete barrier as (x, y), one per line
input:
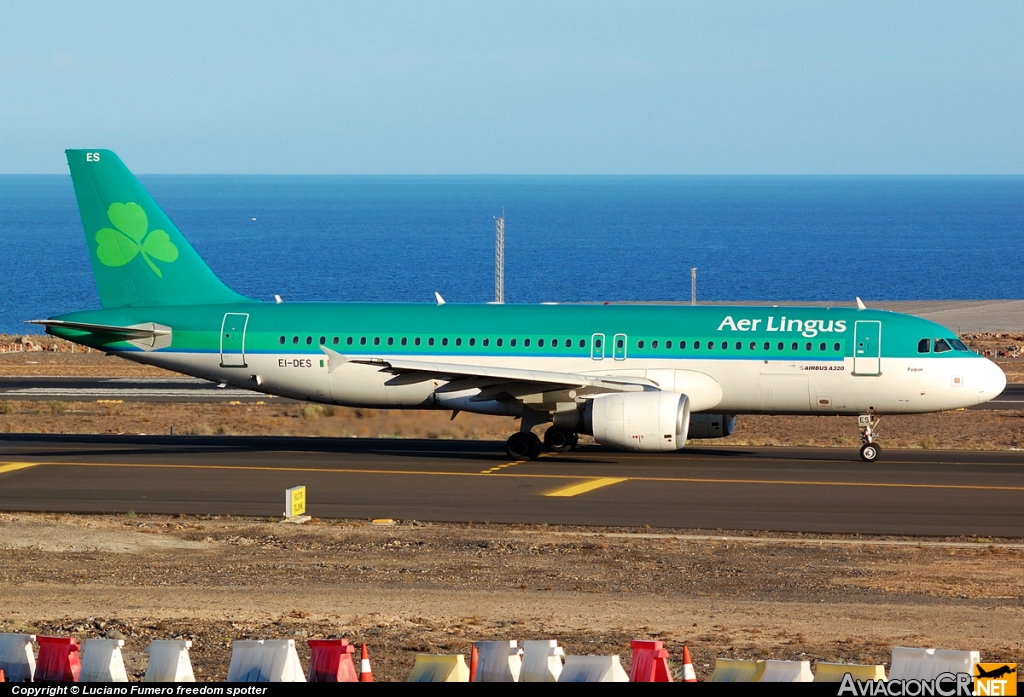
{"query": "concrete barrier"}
(542, 661)
(102, 661)
(169, 661)
(737, 670)
(834, 672)
(265, 660)
(498, 661)
(593, 669)
(435, 668)
(786, 671)
(16, 658)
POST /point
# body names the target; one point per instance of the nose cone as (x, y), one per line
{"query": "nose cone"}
(990, 381)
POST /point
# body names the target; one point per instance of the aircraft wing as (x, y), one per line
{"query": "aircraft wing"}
(493, 380)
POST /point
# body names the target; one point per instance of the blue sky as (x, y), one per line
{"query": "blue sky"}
(531, 88)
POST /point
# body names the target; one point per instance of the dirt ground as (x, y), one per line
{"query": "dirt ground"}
(415, 587)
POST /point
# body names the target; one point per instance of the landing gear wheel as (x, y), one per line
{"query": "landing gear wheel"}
(869, 452)
(522, 446)
(559, 440)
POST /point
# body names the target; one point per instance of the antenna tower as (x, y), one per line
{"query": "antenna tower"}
(693, 286)
(499, 258)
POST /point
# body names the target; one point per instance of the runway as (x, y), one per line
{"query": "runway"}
(814, 490)
(187, 389)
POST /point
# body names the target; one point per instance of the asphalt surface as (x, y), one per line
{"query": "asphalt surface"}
(196, 390)
(908, 492)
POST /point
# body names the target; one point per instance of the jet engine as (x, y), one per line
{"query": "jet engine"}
(711, 425)
(648, 421)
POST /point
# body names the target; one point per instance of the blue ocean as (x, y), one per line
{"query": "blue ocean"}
(568, 238)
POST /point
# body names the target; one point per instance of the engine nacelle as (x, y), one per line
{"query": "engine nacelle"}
(711, 425)
(648, 421)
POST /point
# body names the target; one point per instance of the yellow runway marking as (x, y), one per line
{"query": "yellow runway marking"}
(492, 470)
(10, 466)
(577, 489)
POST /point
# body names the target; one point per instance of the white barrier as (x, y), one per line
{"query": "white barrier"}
(835, 672)
(439, 668)
(102, 661)
(265, 660)
(16, 658)
(498, 661)
(542, 661)
(930, 663)
(787, 671)
(169, 661)
(593, 669)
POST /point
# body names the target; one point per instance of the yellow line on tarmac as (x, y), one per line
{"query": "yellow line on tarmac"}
(12, 466)
(577, 489)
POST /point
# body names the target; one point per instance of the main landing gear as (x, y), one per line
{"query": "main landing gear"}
(869, 450)
(527, 446)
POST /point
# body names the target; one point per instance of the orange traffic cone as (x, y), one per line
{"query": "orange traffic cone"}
(688, 674)
(365, 674)
(474, 658)
(2, 678)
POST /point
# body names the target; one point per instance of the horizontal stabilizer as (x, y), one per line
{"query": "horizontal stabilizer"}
(146, 336)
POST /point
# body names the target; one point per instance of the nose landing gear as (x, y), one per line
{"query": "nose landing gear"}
(869, 450)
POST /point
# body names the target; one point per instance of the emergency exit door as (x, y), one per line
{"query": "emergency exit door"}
(232, 340)
(867, 347)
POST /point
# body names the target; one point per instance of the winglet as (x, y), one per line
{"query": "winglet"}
(861, 305)
(437, 296)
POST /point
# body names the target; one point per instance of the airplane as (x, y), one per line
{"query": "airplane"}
(634, 377)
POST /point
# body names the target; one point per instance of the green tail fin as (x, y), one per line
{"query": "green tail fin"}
(138, 256)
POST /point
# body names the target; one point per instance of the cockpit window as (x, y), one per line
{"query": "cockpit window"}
(958, 345)
(924, 345)
(941, 346)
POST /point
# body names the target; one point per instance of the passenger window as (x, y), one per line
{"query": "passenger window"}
(444, 341)
(348, 341)
(554, 343)
(282, 340)
(499, 342)
(654, 344)
(309, 341)
(941, 346)
(668, 344)
(376, 341)
(753, 345)
(295, 340)
(711, 345)
(416, 341)
(767, 346)
(458, 341)
(430, 341)
(682, 345)
(639, 344)
(405, 341)
(795, 346)
(334, 341)
(487, 342)
(739, 345)
(597, 343)
(540, 343)
(725, 345)
(583, 343)
(511, 342)
(696, 344)
(821, 346)
(781, 346)
(472, 341)
(924, 345)
(391, 341)
(323, 340)
(526, 342)
(808, 346)
(835, 346)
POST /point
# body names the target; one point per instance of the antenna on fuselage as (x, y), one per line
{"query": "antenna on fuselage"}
(499, 259)
(693, 286)
(861, 305)
(438, 298)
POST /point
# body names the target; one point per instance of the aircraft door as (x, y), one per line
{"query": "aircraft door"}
(867, 347)
(619, 347)
(597, 347)
(232, 340)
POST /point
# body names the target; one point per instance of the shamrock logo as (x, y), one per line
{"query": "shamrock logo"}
(132, 236)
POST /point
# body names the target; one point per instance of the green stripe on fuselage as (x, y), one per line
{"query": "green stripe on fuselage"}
(196, 328)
